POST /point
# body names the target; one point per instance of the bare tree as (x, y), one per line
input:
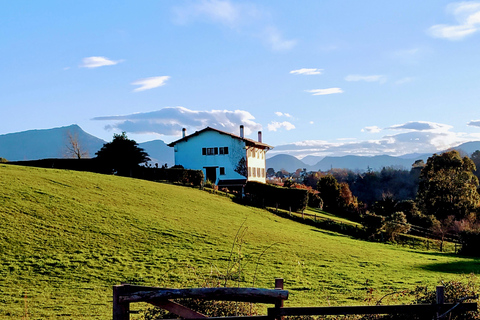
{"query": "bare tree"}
(74, 147)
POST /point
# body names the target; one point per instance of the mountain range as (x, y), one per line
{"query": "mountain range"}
(53, 143)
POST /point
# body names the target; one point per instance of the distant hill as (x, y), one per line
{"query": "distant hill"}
(48, 143)
(159, 152)
(285, 161)
(311, 160)
(52, 143)
(469, 147)
(363, 163)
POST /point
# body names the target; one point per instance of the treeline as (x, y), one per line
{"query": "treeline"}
(437, 199)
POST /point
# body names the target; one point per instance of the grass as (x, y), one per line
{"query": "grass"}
(67, 237)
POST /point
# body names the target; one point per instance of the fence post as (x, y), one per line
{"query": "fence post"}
(121, 311)
(440, 293)
(279, 303)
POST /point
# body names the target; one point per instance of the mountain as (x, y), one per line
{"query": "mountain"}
(48, 143)
(53, 143)
(355, 163)
(469, 147)
(159, 152)
(311, 160)
(362, 163)
(285, 161)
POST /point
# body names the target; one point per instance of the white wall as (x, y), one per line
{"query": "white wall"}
(256, 164)
(189, 154)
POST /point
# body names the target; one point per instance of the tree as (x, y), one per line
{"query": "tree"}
(396, 224)
(329, 189)
(448, 186)
(270, 172)
(74, 147)
(122, 154)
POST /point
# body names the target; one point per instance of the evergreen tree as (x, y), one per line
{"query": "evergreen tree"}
(122, 154)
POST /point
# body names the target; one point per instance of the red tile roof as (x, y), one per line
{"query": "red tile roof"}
(247, 141)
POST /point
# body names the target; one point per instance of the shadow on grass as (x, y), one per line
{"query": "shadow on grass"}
(458, 267)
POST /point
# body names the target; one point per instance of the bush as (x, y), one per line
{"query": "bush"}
(470, 241)
(262, 195)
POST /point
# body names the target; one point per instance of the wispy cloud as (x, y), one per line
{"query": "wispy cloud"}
(474, 123)
(276, 41)
(280, 114)
(467, 15)
(171, 120)
(404, 80)
(95, 62)
(421, 126)
(372, 129)
(150, 83)
(240, 16)
(411, 137)
(274, 125)
(307, 71)
(372, 78)
(321, 92)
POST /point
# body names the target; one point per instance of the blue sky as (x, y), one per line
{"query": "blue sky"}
(317, 77)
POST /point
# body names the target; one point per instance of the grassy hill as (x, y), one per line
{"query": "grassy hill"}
(67, 237)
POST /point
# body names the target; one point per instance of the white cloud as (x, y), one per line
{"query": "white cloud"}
(171, 120)
(474, 123)
(412, 137)
(274, 126)
(307, 71)
(321, 92)
(95, 62)
(311, 122)
(150, 83)
(372, 78)
(280, 114)
(421, 126)
(372, 129)
(467, 15)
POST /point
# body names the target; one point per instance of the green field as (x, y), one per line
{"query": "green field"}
(67, 237)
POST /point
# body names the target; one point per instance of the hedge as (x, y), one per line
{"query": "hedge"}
(263, 195)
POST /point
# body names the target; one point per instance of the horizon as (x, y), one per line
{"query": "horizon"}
(322, 79)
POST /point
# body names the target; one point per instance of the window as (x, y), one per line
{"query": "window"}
(222, 171)
(258, 172)
(263, 172)
(214, 151)
(249, 171)
(254, 172)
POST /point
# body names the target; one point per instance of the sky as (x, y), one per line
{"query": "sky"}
(332, 77)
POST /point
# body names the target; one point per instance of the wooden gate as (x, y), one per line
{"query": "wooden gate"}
(125, 294)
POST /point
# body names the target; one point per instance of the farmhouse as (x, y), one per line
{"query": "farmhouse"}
(226, 159)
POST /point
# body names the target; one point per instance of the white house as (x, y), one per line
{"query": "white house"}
(226, 159)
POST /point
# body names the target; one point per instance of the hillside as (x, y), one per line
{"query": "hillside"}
(53, 143)
(67, 237)
(49, 143)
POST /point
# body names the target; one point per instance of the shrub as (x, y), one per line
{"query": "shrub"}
(261, 194)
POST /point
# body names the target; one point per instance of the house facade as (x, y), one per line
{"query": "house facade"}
(226, 159)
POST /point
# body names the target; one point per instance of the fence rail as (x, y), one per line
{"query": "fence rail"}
(125, 294)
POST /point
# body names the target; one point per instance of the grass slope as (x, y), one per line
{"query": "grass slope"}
(67, 237)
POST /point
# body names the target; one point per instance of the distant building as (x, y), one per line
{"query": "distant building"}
(226, 159)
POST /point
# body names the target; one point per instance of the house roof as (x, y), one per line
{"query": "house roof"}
(248, 142)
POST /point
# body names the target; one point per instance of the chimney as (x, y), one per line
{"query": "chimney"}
(241, 131)
(259, 136)
(184, 132)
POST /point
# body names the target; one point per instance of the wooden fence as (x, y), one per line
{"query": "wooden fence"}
(125, 294)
